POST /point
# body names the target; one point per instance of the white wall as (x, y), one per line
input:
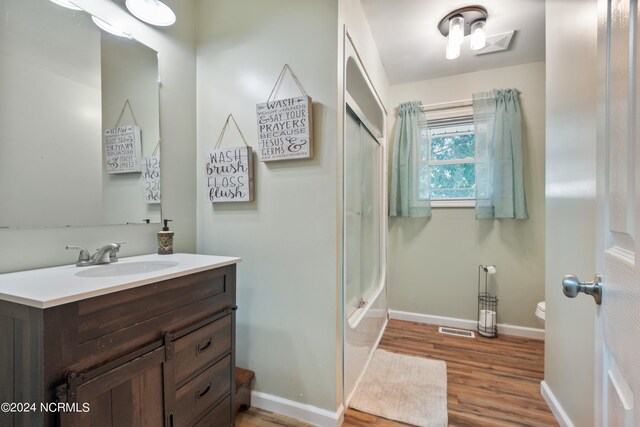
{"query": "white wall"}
(41, 247)
(353, 17)
(433, 264)
(571, 205)
(287, 237)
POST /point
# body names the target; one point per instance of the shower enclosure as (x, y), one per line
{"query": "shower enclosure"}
(364, 222)
(363, 170)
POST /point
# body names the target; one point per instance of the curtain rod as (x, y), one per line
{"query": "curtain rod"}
(447, 105)
(453, 104)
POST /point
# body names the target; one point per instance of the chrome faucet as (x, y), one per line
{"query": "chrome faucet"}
(104, 255)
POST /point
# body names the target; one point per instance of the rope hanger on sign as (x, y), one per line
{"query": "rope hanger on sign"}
(126, 103)
(281, 77)
(224, 129)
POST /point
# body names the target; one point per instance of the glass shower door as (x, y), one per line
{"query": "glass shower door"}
(363, 169)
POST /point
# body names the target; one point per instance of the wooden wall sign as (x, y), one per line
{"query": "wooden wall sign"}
(150, 168)
(229, 171)
(122, 149)
(285, 129)
(229, 174)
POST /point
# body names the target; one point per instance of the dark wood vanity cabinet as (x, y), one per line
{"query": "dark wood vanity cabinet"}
(161, 354)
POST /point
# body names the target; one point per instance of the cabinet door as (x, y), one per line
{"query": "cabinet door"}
(128, 395)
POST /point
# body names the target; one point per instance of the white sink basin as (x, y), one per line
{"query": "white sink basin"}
(124, 269)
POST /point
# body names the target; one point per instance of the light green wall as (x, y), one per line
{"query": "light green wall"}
(288, 237)
(433, 263)
(571, 202)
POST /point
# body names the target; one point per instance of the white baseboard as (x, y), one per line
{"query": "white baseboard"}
(452, 322)
(561, 416)
(301, 411)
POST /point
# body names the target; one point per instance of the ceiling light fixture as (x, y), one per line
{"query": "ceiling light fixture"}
(105, 26)
(152, 12)
(453, 50)
(478, 35)
(460, 23)
(67, 4)
(456, 29)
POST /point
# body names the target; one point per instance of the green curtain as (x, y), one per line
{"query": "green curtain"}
(404, 192)
(499, 164)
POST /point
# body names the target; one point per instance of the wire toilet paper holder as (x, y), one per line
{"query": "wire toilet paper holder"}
(487, 304)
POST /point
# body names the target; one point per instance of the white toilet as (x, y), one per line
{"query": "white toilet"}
(540, 310)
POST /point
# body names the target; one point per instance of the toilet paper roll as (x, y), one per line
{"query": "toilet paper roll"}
(491, 269)
(487, 319)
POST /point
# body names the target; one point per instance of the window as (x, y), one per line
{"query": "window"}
(447, 170)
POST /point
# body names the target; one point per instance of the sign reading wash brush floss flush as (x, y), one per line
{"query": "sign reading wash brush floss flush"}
(150, 168)
(229, 171)
(285, 128)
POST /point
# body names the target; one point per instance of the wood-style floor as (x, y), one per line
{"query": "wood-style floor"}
(491, 382)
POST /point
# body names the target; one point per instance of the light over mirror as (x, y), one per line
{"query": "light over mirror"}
(79, 120)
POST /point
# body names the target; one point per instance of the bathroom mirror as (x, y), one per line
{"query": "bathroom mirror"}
(63, 83)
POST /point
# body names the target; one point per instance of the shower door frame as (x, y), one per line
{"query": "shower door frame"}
(351, 323)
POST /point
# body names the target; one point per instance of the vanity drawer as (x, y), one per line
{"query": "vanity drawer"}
(220, 416)
(145, 305)
(201, 347)
(200, 394)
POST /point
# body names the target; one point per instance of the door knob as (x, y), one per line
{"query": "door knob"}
(572, 286)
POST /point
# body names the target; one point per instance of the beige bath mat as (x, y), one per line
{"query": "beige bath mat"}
(404, 388)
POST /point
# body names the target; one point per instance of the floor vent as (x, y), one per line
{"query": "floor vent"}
(456, 332)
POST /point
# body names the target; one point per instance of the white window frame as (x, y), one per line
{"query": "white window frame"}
(452, 112)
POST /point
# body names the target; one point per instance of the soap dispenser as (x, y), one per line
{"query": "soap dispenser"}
(165, 239)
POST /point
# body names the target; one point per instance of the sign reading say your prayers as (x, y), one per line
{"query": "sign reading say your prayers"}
(122, 149)
(285, 129)
(229, 174)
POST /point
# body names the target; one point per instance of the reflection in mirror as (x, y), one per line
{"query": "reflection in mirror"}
(129, 73)
(63, 83)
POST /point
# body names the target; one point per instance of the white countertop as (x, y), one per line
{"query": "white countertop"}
(49, 287)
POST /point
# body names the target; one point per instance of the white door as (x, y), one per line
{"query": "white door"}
(618, 318)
